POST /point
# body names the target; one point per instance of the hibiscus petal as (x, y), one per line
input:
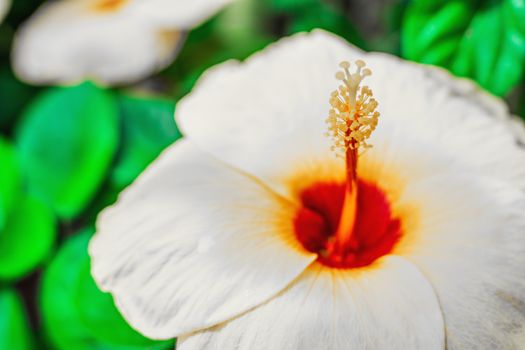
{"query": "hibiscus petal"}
(454, 116)
(183, 14)
(193, 243)
(469, 244)
(274, 106)
(68, 41)
(388, 306)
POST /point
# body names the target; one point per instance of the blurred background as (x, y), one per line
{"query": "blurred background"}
(76, 132)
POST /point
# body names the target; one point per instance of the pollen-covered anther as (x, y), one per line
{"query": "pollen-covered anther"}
(352, 117)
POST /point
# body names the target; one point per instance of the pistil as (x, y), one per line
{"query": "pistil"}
(351, 120)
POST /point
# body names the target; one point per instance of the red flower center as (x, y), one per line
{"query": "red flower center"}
(375, 232)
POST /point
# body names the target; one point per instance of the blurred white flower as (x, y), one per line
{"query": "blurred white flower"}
(4, 8)
(110, 41)
(232, 239)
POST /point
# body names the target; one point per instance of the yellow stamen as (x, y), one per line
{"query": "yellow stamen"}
(351, 120)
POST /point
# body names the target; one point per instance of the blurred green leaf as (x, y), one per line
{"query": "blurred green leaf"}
(14, 327)
(521, 105)
(27, 238)
(321, 15)
(59, 315)
(21, 9)
(106, 196)
(235, 33)
(9, 181)
(76, 314)
(483, 40)
(6, 36)
(148, 128)
(292, 4)
(96, 310)
(241, 30)
(14, 95)
(387, 37)
(67, 140)
(225, 53)
(241, 23)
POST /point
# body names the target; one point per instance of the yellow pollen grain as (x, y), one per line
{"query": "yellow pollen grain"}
(353, 116)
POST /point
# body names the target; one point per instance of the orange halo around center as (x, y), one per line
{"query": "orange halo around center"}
(108, 5)
(381, 224)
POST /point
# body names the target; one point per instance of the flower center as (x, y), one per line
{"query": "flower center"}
(108, 5)
(348, 224)
(374, 233)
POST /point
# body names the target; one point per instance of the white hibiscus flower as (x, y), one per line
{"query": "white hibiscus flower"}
(233, 238)
(110, 41)
(4, 8)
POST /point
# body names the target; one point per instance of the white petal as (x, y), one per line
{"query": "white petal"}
(182, 14)
(390, 306)
(472, 250)
(67, 41)
(461, 122)
(4, 8)
(274, 106)
(464, 231)
(193, 243)
(465, 176)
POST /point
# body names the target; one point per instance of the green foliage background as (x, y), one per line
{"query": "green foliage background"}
(66, 152)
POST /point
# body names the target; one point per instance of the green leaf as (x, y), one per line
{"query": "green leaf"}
(148, 128)
(14, 327)
(97, 312)
(521, 106)
(14, 95)
(292, 4)
(27, 238)
(9, 180)
(226, 52)
(76, 314)
(323, 16)
(106, 197)
(59, 316)
(482, 40)
(67, 140)
(241, 23)
(235, 33)
(6, 38)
